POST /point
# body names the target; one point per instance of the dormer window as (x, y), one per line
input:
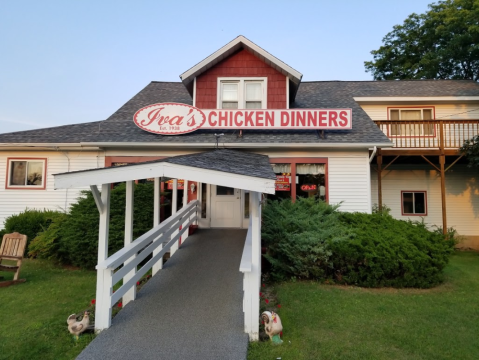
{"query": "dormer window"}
(242, 93)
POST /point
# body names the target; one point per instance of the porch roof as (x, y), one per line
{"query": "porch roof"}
(225, 167)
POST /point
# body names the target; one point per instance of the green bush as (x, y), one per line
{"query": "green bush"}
(46, 243)
(389, 252)
(296, 236)
(29, 222)
(78, 242)
(312, 240)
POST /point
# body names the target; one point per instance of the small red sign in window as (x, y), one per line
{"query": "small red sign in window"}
(309, 187)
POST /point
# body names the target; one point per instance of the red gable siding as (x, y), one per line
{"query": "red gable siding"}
(241, 64)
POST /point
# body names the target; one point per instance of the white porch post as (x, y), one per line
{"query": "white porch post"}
(185, 203)
(255, 279)
(199, 195)
(156, 221)
(104, 282)
(130, 295)
(174, 209)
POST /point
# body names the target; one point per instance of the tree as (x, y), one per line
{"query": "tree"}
(470, 149)
(442, 43)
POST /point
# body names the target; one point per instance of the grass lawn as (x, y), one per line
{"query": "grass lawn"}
(33, 314)
(339, 322)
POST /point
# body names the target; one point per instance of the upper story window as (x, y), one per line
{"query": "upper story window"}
(26, 174)
(408, 116)
(242, 93)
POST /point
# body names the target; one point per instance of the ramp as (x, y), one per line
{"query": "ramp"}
(192, 309)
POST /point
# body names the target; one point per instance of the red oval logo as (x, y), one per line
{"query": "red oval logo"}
(169, 118)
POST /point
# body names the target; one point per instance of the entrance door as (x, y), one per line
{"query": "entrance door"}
(225, 207)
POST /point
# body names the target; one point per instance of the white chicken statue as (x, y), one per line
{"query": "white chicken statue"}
(77, 327)
(272, 326)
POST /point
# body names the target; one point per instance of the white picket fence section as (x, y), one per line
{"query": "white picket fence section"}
(126, 261)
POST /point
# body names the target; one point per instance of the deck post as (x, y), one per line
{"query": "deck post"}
(156, 221)
(255, 279)
(442, 161)
(174, 209)
(103, 282)
(379, 159)
(130, 295)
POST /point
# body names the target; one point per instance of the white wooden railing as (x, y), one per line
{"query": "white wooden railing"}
(250, 266)
(249, 291)
(123, 264)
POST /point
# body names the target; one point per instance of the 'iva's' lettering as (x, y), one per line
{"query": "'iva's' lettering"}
(155, 115)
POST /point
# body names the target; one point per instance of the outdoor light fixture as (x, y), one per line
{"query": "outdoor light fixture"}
(192, 187)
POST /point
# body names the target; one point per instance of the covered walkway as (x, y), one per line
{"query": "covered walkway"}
(192, 309)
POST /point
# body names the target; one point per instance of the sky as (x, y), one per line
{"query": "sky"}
(65, 62)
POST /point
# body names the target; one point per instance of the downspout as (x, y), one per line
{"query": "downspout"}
(373, 154)
(65, 153)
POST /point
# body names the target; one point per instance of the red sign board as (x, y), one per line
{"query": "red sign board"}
(173, 119)
(181, 184)
(283, 183)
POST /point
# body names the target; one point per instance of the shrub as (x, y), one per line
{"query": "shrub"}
(78, 243)
(29, 222)
(389, 252)
(46, 243)
(312, 240)
(296, 235)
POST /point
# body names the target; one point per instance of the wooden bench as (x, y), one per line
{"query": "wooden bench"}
(12, 248)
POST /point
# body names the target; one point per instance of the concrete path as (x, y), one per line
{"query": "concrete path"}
(192, 309)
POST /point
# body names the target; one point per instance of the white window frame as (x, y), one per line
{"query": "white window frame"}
(9, 186)
(241, 90)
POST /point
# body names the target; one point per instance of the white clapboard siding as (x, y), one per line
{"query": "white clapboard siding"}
(16, 201)
(462, 196)
(442, 111)
(349, 181)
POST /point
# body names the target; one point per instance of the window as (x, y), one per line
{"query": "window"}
(414, 203)
(408, 117)
(300, 177)
(247, 93)
(224, 190)
(26, 173)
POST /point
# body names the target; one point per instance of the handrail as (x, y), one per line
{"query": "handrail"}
(125, 253)
(438, 134)
(246, 264)
(167, 234)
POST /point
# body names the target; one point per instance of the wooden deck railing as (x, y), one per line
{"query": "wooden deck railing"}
(432, 134)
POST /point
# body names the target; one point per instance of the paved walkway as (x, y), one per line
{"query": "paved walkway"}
(192, 309)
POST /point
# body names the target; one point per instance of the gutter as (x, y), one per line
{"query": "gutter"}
(243, 145)
(47, 146)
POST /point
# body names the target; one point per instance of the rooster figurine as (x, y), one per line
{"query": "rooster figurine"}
(77, 327)
(272, 326)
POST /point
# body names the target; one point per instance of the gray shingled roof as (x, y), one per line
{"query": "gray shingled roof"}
(119, 127)
(224, 160)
